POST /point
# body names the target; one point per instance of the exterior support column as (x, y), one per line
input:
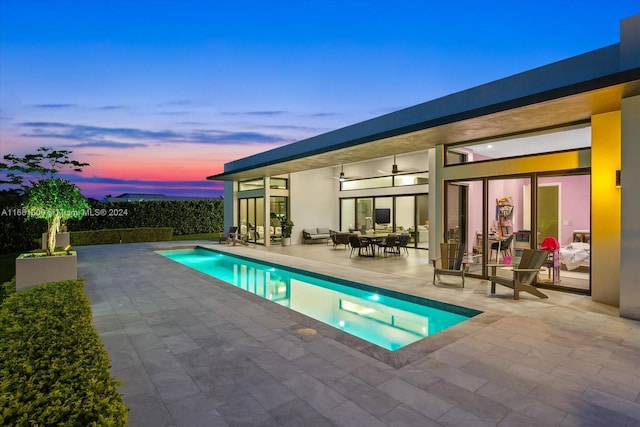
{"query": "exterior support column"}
(230, 204)
(436, 197)
(267, 211)
(630, 223)
(605, 208)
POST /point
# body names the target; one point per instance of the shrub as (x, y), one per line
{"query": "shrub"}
(7, 289)
(120, 235)
(53, 367)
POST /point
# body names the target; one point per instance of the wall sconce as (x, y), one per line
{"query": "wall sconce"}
(618, 182)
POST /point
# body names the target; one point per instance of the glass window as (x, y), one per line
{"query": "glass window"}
(383, 215)
(279, 183)
(260, 231)
(525, 145)
(347, 214)
(361, 184)
(278, 210)
(455, 156)
(508, 219)
(278, 207)
(564, 214)
(422, 223)
(456, 212)
(254, 184)
(405, 216)
(411, 179)
(364, 215)
(251, 219)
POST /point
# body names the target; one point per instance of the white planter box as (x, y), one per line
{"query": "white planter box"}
(31, 271)
(62, 239)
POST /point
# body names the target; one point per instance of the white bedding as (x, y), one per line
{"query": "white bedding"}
(575, 255)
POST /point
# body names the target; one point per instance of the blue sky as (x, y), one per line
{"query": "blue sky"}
(157, 95)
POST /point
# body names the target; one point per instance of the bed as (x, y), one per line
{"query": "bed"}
(576, 254)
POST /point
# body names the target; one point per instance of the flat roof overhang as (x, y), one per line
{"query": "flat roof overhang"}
(563, 106)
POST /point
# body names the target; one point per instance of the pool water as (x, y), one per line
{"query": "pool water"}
(388, 319)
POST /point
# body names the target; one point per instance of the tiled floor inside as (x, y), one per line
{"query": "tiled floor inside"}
(193, 351)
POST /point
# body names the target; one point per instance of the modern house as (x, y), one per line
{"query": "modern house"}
(553, 152)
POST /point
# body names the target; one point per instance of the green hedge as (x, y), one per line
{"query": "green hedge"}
(184, 216)
(17, 234)
(53, 367)
(120, 235)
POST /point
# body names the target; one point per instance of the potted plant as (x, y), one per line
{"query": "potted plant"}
(54, 200)
(287, 227)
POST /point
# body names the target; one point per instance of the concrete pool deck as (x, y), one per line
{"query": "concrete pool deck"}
(193, 351)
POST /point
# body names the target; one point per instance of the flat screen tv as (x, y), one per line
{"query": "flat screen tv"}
(383, 216)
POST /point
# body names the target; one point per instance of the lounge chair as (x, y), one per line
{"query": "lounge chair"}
(224, 238)
(523, 275)
(234, 237)
(449, 263)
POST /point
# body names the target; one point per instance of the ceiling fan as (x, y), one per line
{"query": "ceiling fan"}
(342, 177)
(395, 170)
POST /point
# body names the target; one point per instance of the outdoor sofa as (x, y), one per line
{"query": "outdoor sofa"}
(312, 235)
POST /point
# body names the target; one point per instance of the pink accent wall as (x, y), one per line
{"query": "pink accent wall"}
(575, 207)
(475, 212)
(575, 204)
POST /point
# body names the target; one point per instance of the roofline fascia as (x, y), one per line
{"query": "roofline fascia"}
(544, 96)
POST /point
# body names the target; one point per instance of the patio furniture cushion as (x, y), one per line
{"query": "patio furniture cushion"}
(314, 235)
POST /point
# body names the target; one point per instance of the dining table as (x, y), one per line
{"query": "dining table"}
(372, 241)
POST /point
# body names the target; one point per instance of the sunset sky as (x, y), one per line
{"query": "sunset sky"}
(158, 94)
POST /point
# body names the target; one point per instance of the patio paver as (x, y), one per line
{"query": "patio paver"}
(191, 350)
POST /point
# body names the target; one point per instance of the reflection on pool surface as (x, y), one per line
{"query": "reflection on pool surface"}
(388, 319)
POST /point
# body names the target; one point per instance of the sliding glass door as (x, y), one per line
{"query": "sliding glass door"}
(555, 217)
(388, 214)
(251, 219)
(564, 229)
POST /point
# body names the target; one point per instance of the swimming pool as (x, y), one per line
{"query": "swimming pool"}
(388, 319)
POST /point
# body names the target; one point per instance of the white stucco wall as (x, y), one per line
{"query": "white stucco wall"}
(314, 201)
(229, 205)
(630, 225)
